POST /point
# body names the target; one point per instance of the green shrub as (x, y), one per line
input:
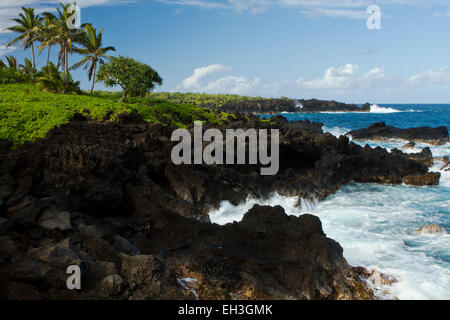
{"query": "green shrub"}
(26, 113)
(51, 80)
(9, 75)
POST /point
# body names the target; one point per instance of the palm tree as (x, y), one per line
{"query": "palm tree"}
(28, 25)
(63, 35)
(46, 34)
(27, 70)
(12, 62)
(91, 43)
(51, 80)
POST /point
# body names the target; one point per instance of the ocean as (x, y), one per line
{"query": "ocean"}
(375, 224)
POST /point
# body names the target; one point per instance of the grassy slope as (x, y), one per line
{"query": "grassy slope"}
(26, 113)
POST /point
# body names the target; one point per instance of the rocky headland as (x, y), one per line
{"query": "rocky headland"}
(314, 105)
(380, 132)
(107, 197)
(274, 106)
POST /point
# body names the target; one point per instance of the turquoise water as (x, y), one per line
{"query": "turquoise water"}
(375, 224)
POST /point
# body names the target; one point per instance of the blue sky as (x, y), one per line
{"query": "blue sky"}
(296, 48)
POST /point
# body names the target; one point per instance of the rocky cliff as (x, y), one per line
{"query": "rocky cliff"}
(106, 196)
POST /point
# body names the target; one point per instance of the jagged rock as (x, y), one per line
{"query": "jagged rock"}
(5, 225)
(111, 286)
(425, 156)
(119, 178)
(6, 186)
(100, 249)
(19, 291)
(29, 269)
(429, 179)
(219, 272)
(91, 231)
(59, 255)
(431, 228)
(315, 105)
(379, 131)
(378, 278)
(95, 271)
(124, 246)
(25, 212)
(446, 165)
(306, 125)
(152, 276)
(409, 145)
(52, 218)
(7, 248)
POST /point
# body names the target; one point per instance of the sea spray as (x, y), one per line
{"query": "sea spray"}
(377, 109)
(377, 231)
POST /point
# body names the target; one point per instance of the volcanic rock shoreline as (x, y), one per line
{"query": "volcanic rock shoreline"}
(105, 196)
(379, 131)
(275, 106)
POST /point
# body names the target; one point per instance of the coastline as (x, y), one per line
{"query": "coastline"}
(160, 199)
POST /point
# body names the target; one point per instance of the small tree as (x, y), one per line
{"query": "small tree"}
(135, 78)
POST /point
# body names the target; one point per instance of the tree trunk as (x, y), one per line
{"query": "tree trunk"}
(124, 96)
(32, 54)
(93, 78)
(66, 66)
(66, 79)
(48, 55)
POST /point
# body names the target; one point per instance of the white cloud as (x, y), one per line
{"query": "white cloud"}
(346, 82)
(231, 84)
(353, 9)
(335, 13)
(343, 77)
(197, 82)
(335, 78)
(192, 82)
(4, 50)
(438, 76)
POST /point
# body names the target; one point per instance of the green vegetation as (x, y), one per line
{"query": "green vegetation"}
(27, 113)
(51, 80)
(33, 102)
(135, 78)
(203, 99)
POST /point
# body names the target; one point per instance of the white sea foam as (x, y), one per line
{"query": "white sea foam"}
(376, 231)
(377, 109)
(228, 213)
(188, 284)
(336, 131)
(438, 151)
(375, 224)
